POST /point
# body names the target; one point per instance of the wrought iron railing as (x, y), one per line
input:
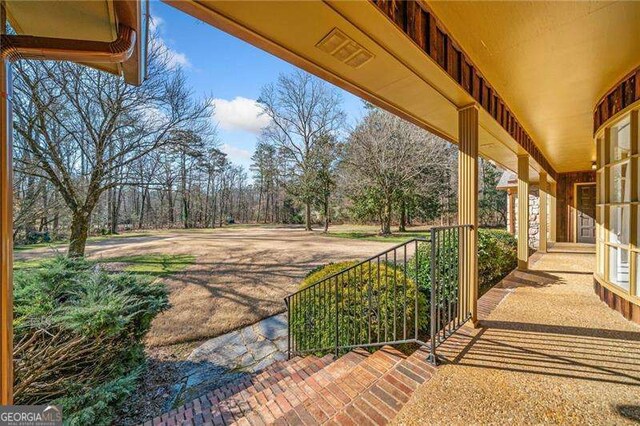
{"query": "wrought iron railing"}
(411, 293)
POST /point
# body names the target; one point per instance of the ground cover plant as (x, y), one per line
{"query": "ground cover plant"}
(78, 333)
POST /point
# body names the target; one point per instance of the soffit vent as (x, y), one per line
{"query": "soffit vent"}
(344, 49)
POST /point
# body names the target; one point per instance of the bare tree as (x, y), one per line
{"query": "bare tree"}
(303, 109)
(83, 128)
(384, 157)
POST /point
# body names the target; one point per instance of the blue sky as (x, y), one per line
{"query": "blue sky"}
(231, 72)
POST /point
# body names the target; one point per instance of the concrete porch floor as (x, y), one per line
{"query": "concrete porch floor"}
(550, 352)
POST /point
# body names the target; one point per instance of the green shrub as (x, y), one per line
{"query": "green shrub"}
(373, 299)
(497, 257)
(314, 310)
(78, 336)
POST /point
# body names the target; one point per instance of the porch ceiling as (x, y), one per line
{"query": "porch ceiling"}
(399, 77)
(551, 62)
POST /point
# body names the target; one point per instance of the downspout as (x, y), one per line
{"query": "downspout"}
(13, 48)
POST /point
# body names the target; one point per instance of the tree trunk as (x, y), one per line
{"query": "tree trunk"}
(307, 216)
(385, 226)
(326, 214)
(403, 216)
(79, 232)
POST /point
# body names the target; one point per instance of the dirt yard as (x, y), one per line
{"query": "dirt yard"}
(240, 276)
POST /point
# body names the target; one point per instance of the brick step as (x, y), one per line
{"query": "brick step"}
(248, 386)
(338, 393)
(272, 404)
(285, 369)
(357, 388)
(381, 400)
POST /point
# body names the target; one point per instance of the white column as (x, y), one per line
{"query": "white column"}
(542, 216)
(468, 200)
(523, 212)
(553, 225)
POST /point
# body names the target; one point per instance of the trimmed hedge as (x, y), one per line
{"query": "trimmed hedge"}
(374, 299)
(314, 311)
(78, 336)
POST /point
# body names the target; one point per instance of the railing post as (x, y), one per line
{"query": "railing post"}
(286, 302)
(432, 298)
(417, 291)
(337, 341)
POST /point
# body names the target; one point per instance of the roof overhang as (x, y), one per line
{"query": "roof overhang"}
(551, 62)
(78, 26)
(398, 75)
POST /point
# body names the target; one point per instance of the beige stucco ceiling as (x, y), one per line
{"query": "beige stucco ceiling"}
(551, 62)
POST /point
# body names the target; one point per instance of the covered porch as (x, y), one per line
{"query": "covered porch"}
(548, 351)
(456, 70)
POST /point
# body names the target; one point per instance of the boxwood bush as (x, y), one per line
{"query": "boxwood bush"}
(374, 301)
(313, 311)
(78, 336)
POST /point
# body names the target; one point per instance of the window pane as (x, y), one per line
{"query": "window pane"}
(619, 267)
(600, 259)
(600, 184)
(619, 221)
(620, 183)
(637, 275)
(637, 175)
(620, 141)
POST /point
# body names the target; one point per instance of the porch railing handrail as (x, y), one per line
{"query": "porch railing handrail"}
(382, 299)
(349, 268)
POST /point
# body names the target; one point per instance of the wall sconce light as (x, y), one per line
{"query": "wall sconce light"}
(593, 165)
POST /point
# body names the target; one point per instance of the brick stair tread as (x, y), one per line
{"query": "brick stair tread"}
(383, 398)
(265, 378)
(335, 396)
(277, 403)
(270, 375)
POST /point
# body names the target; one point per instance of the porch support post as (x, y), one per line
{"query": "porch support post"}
(468, 201)
(511, 217)
(523, 212)
(6, 229)
(553, 225)
(542, 216)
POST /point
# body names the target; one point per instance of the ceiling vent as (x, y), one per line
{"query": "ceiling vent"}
(344, 49)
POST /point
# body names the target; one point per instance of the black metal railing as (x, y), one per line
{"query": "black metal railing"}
(411, 293)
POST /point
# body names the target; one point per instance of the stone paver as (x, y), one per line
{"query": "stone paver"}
(230, 357)
(249, 349)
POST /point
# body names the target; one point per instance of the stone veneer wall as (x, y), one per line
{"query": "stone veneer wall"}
(534, 216)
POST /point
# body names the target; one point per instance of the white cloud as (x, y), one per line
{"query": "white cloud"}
(236, 155)
(155, 22)
(240, 114)
(174, 58)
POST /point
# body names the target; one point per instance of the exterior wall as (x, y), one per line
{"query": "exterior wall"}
(618, 212)
(565, 210)
(534, 217)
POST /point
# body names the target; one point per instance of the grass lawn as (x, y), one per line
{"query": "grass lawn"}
(396, 237)
(156, 265)
(148, 265)
(63, 243)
